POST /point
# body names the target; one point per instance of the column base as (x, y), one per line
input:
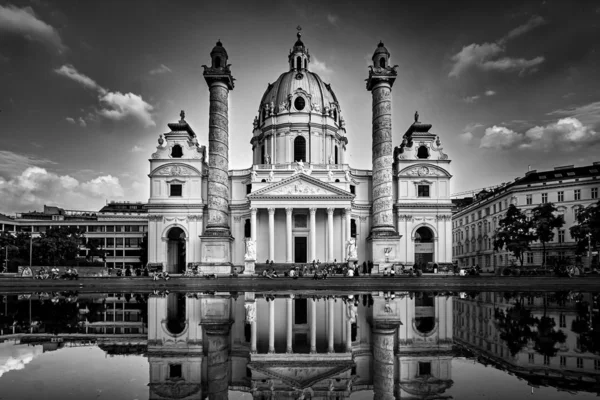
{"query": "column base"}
(313, 352)
(249, 267)
(385, 250)
(289, 351)
(271, 352)
(216, 254)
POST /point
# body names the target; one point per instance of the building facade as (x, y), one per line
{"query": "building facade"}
(570, 188)
(300, 200)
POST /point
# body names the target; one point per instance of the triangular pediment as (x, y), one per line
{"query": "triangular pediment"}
(301, 186)
(301, 374)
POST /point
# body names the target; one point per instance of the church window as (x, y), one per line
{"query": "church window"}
(382, 62)
(262, 154)
(337, 181)
(176, 151)
(217, 62)
(423, 152)
(335, 154)
(175, 190)
(249, 188)
(300, 148)
(264, 114)
(424, 368)
(335, 115)
(299, 103)
(352, 189)
(305, 64)
(263, 181)
(353, 228)
(175, 371)
(299, 62)
(423, 190)
(247, 228)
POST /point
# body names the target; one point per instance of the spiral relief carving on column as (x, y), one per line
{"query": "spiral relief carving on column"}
(218, 150)
(382, 159)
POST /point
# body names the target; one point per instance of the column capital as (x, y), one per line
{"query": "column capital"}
(271, 210)
(253, 210)
(347, 210)
(312, 210)
(330, 210)
(289, 210)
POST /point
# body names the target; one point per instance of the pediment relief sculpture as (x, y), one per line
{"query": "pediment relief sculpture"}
(300, 188)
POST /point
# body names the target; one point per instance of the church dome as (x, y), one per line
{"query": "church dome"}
(317, 94)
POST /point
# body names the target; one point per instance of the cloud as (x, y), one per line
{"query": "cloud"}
(12, 163)
(499, 137)
(533, 23)
(116, 106)
(466, 136)
(70, 120)
(161, 69)
(490, 93)
(471, 99)
(472, 126)
(319, 66)
(24, 22)
(589, 114)
(333, 19)
(79, 121)
(566, 134)
(486, 56)
(137, 149)
(35, 186)
(82, 122)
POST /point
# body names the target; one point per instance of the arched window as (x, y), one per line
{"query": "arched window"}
(299, 62)
(217, 62)
(423, 152)
(247, 228)
(382, 62)
(300, 149)
(335, 155)
(353, 228)
(177, 151)
(264, 114)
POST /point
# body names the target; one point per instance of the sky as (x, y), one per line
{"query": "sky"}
(87, 87)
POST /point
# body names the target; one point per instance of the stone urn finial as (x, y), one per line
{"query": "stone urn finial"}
(160, 140)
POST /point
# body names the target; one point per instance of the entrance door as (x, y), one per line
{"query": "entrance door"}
(300, 247)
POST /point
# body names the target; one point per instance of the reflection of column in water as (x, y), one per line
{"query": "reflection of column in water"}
(217, 336)
(383, 360)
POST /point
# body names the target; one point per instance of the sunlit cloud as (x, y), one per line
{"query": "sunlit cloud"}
(161, 69)
(24, 22)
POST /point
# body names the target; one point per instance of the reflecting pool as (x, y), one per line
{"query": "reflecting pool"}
(375, 345)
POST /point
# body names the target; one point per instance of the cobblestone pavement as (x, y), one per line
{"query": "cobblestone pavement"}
(355, 284)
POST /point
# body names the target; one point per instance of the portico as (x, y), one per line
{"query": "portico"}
(311, 209)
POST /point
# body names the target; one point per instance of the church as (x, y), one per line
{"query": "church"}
(301, 200)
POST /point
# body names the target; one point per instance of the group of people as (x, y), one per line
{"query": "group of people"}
(69, 273)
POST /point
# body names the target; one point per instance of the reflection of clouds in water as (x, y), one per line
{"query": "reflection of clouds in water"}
(15, 357)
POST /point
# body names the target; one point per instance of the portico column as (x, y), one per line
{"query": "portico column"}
(347, 215)
(288, 228)
(330, 348)
(313, 326)
(253, 212)
(272, 326)
(289, 301)
(330, 234)
(271, 234)
(348, 334)
(253, 336)
(313, 234)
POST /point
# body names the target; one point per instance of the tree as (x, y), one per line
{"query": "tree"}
(59, 244)
(545, 220)
(515, 325)
(587, 230)
(514, 233)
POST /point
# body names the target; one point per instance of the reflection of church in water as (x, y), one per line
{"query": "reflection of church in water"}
(300, 200)
(293, 347)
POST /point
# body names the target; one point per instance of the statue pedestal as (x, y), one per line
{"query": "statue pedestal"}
(385, 250)
(352, 260)
(216, 255)
(249, 267)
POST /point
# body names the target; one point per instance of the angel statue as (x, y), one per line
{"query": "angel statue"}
(351, 249)
(250, 250)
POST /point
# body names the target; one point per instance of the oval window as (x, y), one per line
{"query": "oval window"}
(299, 103)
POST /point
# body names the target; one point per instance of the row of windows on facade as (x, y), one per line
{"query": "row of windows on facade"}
(487, 227)
(299, 105)
(86, 228)
(485, 261)
(299, 151)
(529, 201)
